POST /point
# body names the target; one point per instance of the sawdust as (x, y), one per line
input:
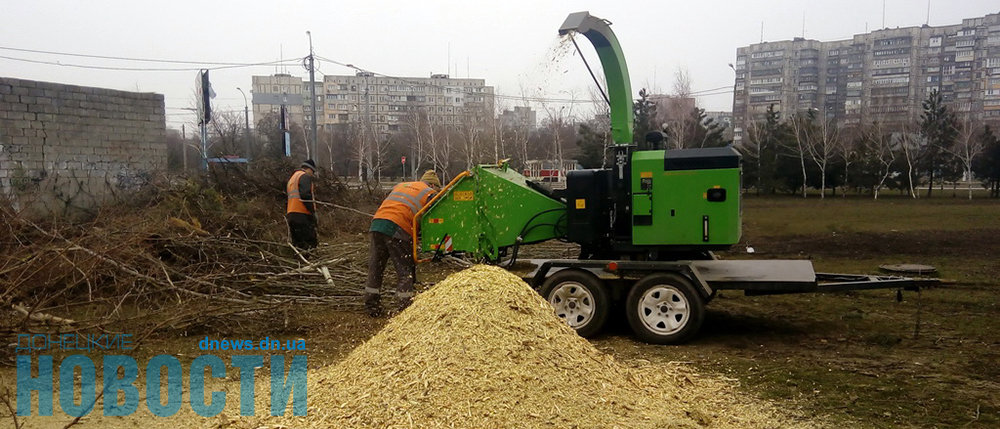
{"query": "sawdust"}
(482, 349)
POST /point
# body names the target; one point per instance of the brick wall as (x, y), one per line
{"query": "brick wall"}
(65, 149)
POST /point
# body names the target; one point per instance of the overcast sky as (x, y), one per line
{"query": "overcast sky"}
(513, 44)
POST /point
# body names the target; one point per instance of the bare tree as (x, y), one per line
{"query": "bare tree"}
(418, 122)
(602, 121)
(227, 128)
(968, 147)
(849, 148)
(674, 112)
(799, 146)
(441, 137)
(556, 121)
(881, 149)
(910, 144)
(682, 83)
(751, 147)
(470, 132)
(822, 146)
(497, 132)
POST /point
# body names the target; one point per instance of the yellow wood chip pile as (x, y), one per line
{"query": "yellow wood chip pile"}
(482, 349)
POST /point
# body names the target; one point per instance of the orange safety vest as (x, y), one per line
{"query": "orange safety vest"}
(405, 200)
(295, 204)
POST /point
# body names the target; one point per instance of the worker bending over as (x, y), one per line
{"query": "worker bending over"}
(392, 236)
(300, 212)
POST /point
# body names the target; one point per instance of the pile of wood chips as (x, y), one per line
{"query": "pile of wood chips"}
(482, 349)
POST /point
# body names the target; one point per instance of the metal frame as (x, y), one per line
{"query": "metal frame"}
(823, 283)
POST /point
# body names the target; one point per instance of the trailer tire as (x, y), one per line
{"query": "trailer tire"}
(664, 308)
(579, 298)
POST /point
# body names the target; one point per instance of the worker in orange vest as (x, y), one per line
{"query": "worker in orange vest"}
(300, 211)
(392, 236)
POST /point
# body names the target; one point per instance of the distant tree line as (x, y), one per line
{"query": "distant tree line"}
(808, 150)
(793, 154)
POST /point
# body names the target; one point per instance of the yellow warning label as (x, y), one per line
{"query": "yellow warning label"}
(464, 196)
(581, 203)
(646, 174)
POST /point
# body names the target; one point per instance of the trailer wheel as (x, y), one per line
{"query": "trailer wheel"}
(664, 308)
(579, 298)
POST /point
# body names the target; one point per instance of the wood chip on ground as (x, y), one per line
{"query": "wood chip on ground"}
(482, 349)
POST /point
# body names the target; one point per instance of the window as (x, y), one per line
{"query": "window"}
(768, 54)
(891, 62)
(891, 81)
(897, 51)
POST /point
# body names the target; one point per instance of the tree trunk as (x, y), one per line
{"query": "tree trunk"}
(909, 177)
(930, 184)
(968, 174)
(802, 162)
(822, 180)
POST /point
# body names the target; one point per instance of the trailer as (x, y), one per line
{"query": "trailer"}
(664, 301)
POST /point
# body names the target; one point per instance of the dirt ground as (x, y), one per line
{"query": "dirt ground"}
(860, 359)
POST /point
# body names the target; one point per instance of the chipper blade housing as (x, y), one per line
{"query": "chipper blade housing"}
(489, 210)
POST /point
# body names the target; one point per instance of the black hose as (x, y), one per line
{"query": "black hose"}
(525, 230)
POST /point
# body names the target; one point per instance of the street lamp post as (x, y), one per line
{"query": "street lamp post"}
(246, 116)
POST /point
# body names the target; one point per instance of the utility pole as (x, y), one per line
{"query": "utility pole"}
(246, 115)
(184, 146)
(312, 92)
(205, 94)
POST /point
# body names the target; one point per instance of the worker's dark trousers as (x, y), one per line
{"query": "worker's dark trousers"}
(384, 247)
(302, 229)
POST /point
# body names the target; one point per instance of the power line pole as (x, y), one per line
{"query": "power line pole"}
(246, 115)
(312, 91)
(184, 146)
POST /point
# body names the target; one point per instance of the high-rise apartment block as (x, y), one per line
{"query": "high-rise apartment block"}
(881, 76)
(521, 116)
(387, 104)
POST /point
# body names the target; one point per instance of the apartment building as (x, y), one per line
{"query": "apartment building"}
(882, 75)
(272, 92)
(387, 104)
(520, 117)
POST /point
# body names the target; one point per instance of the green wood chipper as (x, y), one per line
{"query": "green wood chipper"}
(646, 227)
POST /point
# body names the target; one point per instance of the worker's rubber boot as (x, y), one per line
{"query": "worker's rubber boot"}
(372, 306)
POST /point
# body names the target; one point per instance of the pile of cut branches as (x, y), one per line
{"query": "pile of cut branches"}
(178, 258)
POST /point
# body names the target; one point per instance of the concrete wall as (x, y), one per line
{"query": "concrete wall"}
(65, 149)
